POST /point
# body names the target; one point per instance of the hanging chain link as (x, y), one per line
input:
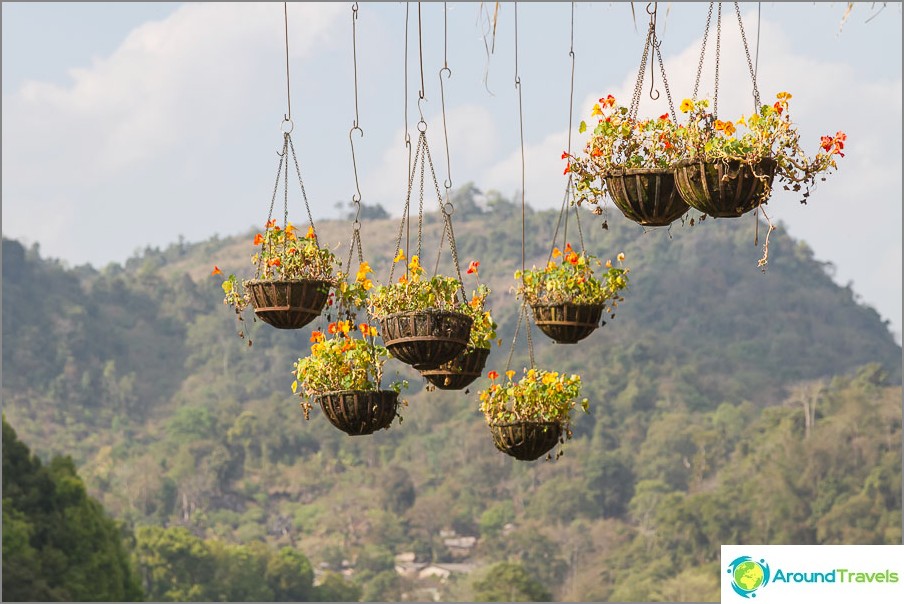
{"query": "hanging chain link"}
(756, 92)
(279, 169)
(718, 56)
(709, 16)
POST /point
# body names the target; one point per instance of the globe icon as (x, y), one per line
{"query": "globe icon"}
(748, 575)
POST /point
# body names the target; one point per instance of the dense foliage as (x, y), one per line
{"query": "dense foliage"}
(726, 406)
(58, 543)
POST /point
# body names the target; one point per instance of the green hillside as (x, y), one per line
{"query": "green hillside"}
(727, 406)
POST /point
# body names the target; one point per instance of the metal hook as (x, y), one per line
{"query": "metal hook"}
(653, 12)
(419, 110)
(356, 198)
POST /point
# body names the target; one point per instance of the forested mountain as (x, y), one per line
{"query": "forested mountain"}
(727, 406)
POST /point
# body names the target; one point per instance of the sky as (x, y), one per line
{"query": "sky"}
(127, 125)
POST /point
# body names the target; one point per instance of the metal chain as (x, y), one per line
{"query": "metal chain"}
(405, 217)
(447, 184)
(709, 16)
(718, 56)
(279, 169)
(304, 194)
(665, 80)
(638, 86)
(577, 218)
(422, 141)
(447, 210)
(756, 92)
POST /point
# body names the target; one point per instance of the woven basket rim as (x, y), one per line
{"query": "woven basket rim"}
(635, 171)
(522, 423)
(340, 392)
(573, 304)
(426, 312)
(286, 281)
(683, 163)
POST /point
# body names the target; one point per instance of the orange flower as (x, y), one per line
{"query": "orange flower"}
(664, 116)
(475, 302)
(403, 279)
(778, 107)
(258, 239)
(572, 258)
(472, 268)
(310, 234)
(609, 101)
(332, 328)
(568, 248)
(292, 250)
(729, 128)
(492, 375)
(216, 271)
(290, 230)
(317, 336)
(596, 153)
(271, 223)
(274, 262)
(720, 125)
(556, 252)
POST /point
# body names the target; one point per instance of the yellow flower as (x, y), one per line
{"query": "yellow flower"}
(620, 257)
(510, 373)
(363, 271)
(415, 263)
(367, 284)
(686, 105)
(729, 128)
(596, 110)
(556, 252)
(227, 286)
(783, 96)
(742, 121)
(400, 255)
(608, 264)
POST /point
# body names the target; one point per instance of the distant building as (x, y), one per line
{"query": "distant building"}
(444, 570)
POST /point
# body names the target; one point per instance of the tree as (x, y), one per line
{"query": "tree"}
(509, 582)
(333, 588)
(58, 543)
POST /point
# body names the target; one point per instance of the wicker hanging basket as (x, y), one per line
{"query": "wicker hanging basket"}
(567, 323)
(460, 371)
(526, 441)
(359, 412)
(647, 196)
(289, 304)
(724, 189)
(426, 339)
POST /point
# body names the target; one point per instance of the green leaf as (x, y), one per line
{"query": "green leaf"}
(582, 127)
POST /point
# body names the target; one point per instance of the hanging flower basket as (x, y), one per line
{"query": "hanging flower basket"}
(526, 441)
(460, 371)
(426, 339)
(359, 412)
(725, 189)
(567, 323)
(647, 196)
(288, 304)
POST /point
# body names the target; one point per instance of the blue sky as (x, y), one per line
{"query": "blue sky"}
(130, 124)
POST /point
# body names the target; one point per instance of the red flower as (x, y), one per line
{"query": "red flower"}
(664, 116)
(472, 268)
(216, 271)
(271, 223)
(778, 107)
(564, 154)
(493, 375)
(567, 168)
(274, 262)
